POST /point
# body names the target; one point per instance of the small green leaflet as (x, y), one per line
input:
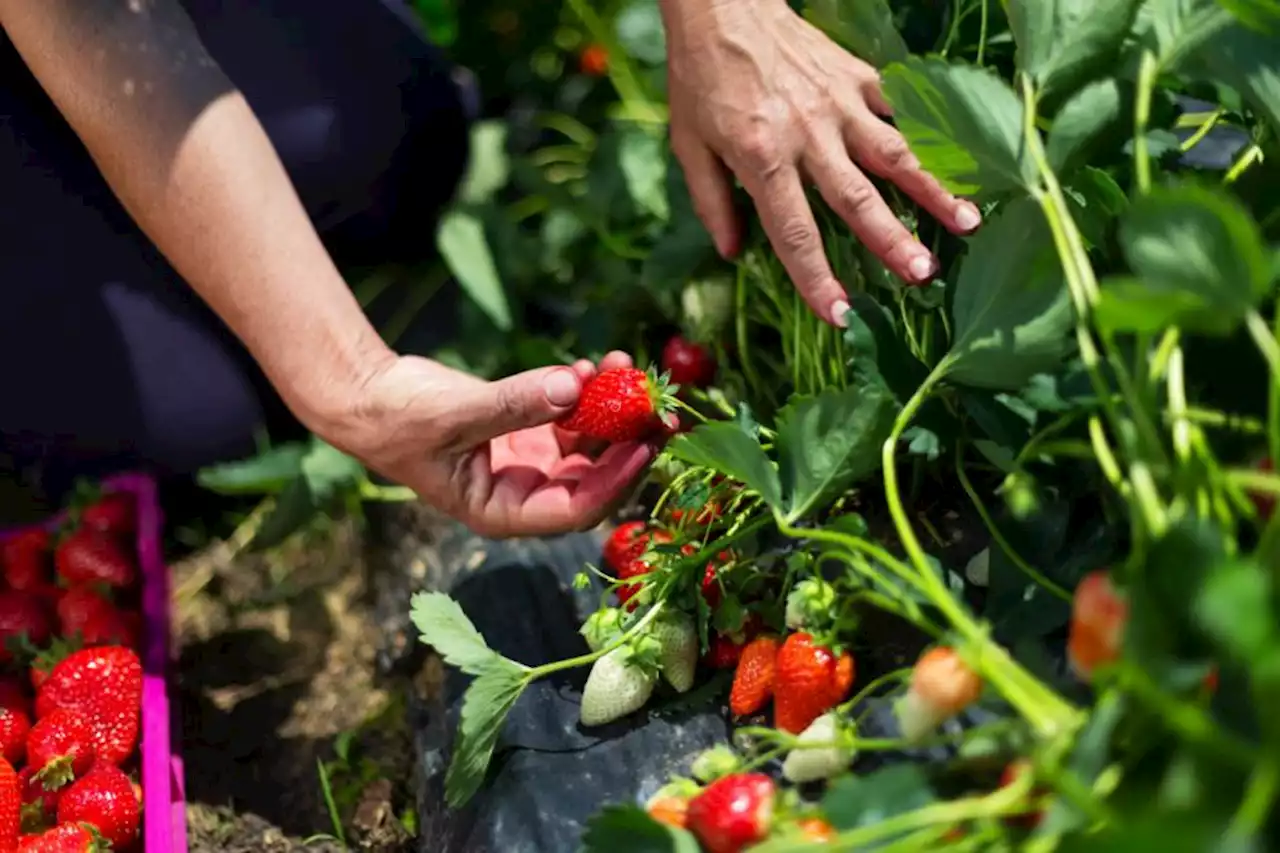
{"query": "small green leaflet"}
(857, 801)
(1063, 44)
(728, 448)
(1012, 311)
(1198, 261)
(485, 706)
(964, 124)
(464, 247)
(265, 474)
(446, 628)
(863, 26)
(629, 829)
(1080, 122)
(828, 442)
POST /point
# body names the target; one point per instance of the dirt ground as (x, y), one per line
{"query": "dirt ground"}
(277, 674)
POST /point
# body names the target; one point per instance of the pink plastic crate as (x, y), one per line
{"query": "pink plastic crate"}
(164, 821)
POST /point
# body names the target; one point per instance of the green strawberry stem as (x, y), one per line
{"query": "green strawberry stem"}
(536, 672)
(1050, 714)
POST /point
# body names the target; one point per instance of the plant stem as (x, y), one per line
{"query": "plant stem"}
(1258, 797)
(1048, 713)
(1147, 70)
(1264, 338)
(1251, 155)
(536, 672)
(999, 537)
(386, 494)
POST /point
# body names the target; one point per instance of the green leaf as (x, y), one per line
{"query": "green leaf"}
(1097, 201)
(1235, 608)
(1250, 62)
(629, 829)
(963, 123)
(1199, 260)
(265, 474)
(485, 706)
(487, 167)
(295, 506)
(1063, 44)
(728, 448)
(828, 442)
(876, 348)
(856, 801)
(1011, 309)
(328, 470)
(1175, 29)
(865, 27)
(1260, 15)
(463, 246)
(1080, 122)
(445, 627)
(640, 32)
(641, 157)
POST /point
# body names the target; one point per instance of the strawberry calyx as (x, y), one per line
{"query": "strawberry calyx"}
(57, 773)
(662, 393)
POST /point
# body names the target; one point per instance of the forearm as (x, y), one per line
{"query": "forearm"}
(188, 159)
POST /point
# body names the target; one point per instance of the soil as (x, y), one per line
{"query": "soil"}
(277, 673)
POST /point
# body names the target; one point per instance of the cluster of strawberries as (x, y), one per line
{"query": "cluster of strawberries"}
(70, 709)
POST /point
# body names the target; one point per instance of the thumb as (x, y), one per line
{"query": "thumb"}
(525, 400)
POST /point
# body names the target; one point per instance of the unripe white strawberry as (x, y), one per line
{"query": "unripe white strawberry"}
(810, 765)
(942, 685)
(677, 639)
(809, 604)
(616, 686)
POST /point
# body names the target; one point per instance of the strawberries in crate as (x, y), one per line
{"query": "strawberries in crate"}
(70, 706)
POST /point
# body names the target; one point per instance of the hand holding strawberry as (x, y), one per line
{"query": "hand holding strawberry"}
(489, 453)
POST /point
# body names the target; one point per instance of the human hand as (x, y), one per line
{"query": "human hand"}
(489, 453)
(757, 89)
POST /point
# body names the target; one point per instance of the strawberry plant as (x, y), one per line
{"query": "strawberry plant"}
(1094, 376)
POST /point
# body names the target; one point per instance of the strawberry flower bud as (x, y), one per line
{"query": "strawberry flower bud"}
(602, 628)
(810, 765)
(1099, 613)
(942, 685)
(714, 763)
(809, 603)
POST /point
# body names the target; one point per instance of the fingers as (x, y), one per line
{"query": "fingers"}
(711, 190)
(518, 402)
(883, 151)
(852, 195)
(789, 223)
(616, 361)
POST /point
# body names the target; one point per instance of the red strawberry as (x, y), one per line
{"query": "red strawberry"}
(753, 682)
(103, 799)
(14, 726)
(594, 60)
(634, 569)
(80, 605)
(732, 813)
(67, 838)
(625, 404)
(723, 652)
(88, 556)
(808, 681)
(39, 804)
(115, 513)
(629, 542)
(688, 363)
(22, 615)
(10, 807)
(105, 683)
(1099, 614)
(60, 747)
(25, 558)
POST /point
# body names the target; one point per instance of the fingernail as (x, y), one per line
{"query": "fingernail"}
(561, 388)
(921, 268)
(838, 309)
(967, 217)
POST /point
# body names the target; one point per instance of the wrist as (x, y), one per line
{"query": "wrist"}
(690, 22)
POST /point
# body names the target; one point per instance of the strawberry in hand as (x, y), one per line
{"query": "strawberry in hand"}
(624, 404)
